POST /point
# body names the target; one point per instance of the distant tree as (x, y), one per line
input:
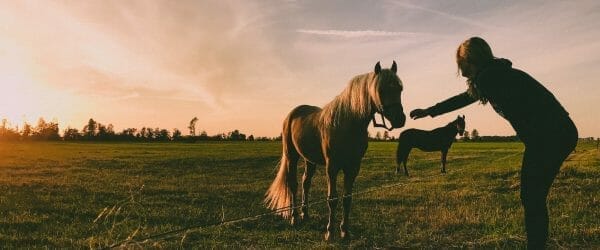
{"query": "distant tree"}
(102, 133)
(157, 135)
(40, 128)
(46, 130)
(7, 133)
(51, 132)
(110, 131)
(128, 134)
(466, 136)
(220, 137)
(143, 134)
(475, 135)
(235, 135)
(27, 131)
(163, 135)
(71, 134)
(203, 135)
(3, 128)
(149, 133)
(176, 134)
(89, 130)
(192, 126)
(251, 138)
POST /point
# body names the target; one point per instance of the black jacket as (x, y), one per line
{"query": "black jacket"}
(530, 108)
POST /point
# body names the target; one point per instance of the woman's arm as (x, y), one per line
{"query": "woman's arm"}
(451, 104)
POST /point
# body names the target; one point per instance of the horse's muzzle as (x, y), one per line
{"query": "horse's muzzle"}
(395, 114)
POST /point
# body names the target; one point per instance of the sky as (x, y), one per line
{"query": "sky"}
(245, 64)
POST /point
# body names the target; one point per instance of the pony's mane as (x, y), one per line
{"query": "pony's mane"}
(353, 103)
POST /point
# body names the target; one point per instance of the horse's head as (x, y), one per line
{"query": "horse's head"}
(460, 124)
(385, 93)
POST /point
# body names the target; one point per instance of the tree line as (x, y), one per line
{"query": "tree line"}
(96, 131)
(472, 136)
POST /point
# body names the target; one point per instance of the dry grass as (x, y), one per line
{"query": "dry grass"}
(94, 195)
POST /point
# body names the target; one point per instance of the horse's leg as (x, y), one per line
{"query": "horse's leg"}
(405, 169)
(402, 157)
(407, 152)
(349, 176)
(444, 154)
(293, 161)
(332, 201)
(309, 172)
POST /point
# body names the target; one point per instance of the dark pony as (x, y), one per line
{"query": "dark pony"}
(334, 136)
(439, 139)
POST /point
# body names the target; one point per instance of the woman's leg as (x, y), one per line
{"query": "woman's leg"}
(540, 166)
(536, 180)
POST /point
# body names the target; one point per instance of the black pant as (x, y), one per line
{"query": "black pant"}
(541, 162)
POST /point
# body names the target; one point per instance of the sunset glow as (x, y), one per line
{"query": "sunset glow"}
(244, 65)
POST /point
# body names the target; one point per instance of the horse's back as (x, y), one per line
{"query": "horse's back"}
(303, 111)
(424, 140)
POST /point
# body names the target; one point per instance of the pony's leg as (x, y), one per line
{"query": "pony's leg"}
(349, 177)
(401, 157)
(332, 199)
(293, 164)
(444, 154)
(309, 172)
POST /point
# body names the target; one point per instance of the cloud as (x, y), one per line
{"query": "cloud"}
(446, 15)
(357, 33)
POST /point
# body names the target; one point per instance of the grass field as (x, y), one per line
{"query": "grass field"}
(96, 194)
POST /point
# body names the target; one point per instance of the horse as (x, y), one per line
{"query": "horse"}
(439, 139)
(334, 136)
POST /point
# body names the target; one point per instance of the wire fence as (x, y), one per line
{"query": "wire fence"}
(176, 232)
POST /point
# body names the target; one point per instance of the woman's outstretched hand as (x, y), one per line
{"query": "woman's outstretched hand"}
(418, 113)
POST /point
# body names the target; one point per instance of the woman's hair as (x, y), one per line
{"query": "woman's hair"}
(474, 51)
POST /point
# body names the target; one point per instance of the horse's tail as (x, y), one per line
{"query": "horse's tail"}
(279, 196)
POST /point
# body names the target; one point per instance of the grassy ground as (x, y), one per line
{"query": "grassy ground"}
(95, 195)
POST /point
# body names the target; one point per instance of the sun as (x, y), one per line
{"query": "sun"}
(18, 97)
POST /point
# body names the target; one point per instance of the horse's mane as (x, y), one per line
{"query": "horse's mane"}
(353, 103)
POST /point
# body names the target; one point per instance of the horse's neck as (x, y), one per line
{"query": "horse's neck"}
(351, 110)
(351, 123)
(451, 129)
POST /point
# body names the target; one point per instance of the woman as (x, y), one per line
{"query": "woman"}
(538, 118)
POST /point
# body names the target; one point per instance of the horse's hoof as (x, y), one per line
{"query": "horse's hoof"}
(328, 236)
(345, 235)
(294, 221)
(304, 217)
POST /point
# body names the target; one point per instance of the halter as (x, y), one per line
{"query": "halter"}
(384, 125)
(377, 125)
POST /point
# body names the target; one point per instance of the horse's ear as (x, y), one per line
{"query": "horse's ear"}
(463, 117)
(377, 68)
(394, 68)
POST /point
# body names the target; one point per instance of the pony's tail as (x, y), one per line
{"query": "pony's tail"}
(279, 195)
